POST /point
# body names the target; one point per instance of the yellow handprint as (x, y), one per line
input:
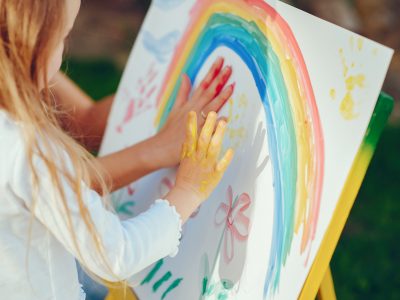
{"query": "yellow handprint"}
(352, 79)
(200, 171)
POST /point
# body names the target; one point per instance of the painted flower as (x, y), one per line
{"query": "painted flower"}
(232, 215)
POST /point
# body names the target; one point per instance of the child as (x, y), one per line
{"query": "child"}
(49, 212)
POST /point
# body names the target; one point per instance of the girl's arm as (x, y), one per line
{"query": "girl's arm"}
(133, 244)
(128, 165)
(161, 150)
(83, 118)
(127, 246)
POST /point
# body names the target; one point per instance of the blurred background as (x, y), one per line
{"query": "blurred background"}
(366, 262)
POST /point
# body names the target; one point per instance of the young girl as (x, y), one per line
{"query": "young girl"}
(51, 207)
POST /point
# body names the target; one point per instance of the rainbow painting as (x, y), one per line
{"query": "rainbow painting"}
(269, 229)
(264, 41)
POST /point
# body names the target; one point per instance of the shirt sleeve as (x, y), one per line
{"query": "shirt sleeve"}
(129, 246)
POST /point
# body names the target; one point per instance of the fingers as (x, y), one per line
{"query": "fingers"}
(225, 119)
(184, 92)
(206, 133)
(216, 142)
(224, 163)
(190, 145)
(184, 151)
(222, 98)
(211, 75)
(217, 85)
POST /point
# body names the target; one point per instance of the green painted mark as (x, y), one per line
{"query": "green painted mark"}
(153, 272)
(174, 285)
(161, 281)
(204, 289)
(125, 208)
(222, 296)
(227, 284)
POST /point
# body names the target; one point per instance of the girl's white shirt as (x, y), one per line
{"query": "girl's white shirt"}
(37, 252)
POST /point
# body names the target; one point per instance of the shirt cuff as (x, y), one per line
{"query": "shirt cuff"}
(178, 222)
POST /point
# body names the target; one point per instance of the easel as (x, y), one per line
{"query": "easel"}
(319, 282)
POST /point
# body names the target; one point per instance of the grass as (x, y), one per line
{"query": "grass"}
(98, 77)
(365, 264)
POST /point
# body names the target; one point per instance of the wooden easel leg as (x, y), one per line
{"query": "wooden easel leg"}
(121, 293)
(327, 289)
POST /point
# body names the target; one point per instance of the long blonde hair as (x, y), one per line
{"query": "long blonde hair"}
(29, 32)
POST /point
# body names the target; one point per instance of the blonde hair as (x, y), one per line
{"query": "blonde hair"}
(30, 31)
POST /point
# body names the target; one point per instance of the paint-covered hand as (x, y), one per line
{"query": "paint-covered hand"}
(201, 170)
(209, 96)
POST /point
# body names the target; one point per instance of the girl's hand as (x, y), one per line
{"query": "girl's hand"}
(200, 170)
(210, 96)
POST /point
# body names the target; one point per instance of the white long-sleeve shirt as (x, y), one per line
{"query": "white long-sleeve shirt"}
(45, 268)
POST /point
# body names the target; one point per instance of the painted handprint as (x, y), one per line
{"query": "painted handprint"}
(353, 77)
(237, 131)
(138, 102)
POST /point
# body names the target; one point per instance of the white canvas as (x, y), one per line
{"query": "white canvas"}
(225, 252)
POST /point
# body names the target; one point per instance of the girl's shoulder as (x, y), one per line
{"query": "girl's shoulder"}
(11, 142)
(13, 151)
(10, 130)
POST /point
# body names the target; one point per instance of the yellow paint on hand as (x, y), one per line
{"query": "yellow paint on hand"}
(190, 145)
(184, 151)
(204, 186)
(225, 161)
(214, 149)
(210, 182)
(199, 166)
(206, 133)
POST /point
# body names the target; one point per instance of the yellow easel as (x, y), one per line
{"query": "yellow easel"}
(319, 282)
(122, 293)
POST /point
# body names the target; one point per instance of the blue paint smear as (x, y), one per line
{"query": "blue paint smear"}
(248, 42)
(161, 48)
(167, 4)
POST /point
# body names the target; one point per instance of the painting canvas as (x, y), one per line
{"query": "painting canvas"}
(305, 93)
